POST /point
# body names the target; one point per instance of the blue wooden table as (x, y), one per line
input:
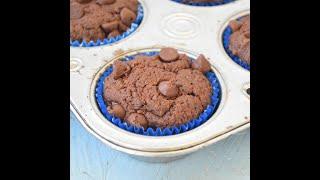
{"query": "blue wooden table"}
(90, 159)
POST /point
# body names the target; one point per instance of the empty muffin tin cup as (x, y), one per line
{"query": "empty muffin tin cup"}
(203, 117)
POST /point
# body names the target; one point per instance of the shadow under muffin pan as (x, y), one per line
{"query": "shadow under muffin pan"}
(203, 117)
(226, 42)
(134, 26)
(204, 3)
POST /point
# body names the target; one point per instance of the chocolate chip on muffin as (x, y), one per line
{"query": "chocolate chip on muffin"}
(138, 120)
(169, 54)
(117, 110)
(168, 89)
(157, 93)
(119, 69)
(201, 64)
(76, 11)
(110, 26)
(127, 16)
(103, 2)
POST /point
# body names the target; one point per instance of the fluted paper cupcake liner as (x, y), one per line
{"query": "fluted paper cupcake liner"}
(204, 3)
(226, 41)
(203, 117)
(112, 40)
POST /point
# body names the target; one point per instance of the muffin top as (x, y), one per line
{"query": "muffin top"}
(240, 38)
(99, 19)
(158, 91)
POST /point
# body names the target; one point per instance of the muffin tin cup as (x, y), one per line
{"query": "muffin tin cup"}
(205, 3)
(226, 42)
(108, 41)
(187, 29)
(191, 124)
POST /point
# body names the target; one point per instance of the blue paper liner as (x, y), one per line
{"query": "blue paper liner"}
(112, 40)
(203, 117)
(204, 3)
(226, 41)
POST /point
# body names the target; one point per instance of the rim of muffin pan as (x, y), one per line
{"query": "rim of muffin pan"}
(224, 41)
(156, 154)
(105, 128)
(135, 26)
(205, 4)
(168, 131)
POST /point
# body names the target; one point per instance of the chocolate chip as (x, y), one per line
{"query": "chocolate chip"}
(83, 1)
(122, 27)
(110, 26)
(138, 120)
(127, 16)
(119, 69)
(168, 54)
(76, 11)
(168, 89)
(201, 64)
(114, 33)
(103, 2)
(234, 25)
(117, 110)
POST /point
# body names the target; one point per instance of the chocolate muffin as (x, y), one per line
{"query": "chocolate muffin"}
(158, 91)
(99, 19)
(240, 38)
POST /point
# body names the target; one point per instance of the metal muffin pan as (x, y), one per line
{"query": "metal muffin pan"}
(191, 30)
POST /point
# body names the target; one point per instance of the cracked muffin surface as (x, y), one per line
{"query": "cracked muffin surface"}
(99, 19)
(158, 91)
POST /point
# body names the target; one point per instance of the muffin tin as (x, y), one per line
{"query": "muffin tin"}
(188, 29)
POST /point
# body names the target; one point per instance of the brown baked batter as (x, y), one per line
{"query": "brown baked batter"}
(240, 38)
(158, 91)
(99, 19)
